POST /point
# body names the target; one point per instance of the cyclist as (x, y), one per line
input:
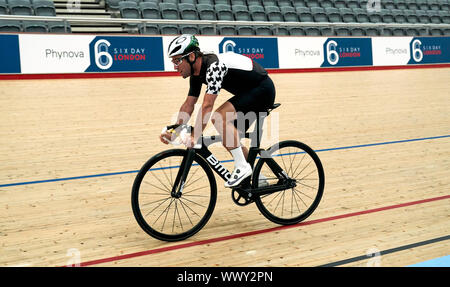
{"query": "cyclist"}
(248, 81)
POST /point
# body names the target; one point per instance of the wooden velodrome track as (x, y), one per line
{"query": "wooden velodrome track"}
(70, 149)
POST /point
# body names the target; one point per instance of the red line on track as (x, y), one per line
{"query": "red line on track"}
(256, 232)
(171, 73)
(361, 68)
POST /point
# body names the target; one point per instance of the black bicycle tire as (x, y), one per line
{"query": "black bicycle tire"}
(135, 196)
(319, 193)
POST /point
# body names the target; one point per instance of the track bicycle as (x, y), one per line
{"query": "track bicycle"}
(174, 193)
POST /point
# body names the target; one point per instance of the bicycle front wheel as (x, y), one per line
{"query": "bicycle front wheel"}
(167, 217)
(301, 163)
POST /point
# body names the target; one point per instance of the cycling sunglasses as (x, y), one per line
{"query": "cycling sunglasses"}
(178, 61)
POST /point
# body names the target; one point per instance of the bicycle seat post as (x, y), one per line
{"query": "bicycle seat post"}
(258, 130)
(259, 125)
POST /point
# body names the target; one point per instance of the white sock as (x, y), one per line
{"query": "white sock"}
(239, 158)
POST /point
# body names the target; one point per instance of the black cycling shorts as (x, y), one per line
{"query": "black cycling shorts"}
(258, 99)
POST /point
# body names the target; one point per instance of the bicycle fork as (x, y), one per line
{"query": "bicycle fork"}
(180, 180)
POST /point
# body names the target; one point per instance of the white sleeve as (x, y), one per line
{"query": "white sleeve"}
(214, 77)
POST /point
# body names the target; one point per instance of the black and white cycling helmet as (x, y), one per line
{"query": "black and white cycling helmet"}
(183, 45)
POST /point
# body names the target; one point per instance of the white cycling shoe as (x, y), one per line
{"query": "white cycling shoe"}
(238, 175)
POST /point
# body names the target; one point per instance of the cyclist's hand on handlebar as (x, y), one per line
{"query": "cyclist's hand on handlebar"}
(166, 137)
(188, 140)
(169, 134)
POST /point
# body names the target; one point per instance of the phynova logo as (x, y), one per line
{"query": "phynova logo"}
(104, 59)
(396, 51)
(58, 54)
(307, 53)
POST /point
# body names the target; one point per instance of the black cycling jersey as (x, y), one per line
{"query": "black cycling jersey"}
(233, 72)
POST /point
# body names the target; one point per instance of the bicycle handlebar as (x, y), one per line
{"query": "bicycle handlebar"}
(180, 130)
(177, 128)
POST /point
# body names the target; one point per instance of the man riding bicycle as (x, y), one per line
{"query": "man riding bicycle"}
(248, 81)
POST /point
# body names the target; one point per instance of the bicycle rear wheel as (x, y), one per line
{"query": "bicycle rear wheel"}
(167, 217)
(292, 205)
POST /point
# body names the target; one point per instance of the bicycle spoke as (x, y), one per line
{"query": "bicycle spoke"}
(193, 211)
(164, 200)
(164, 172)
(300, 163)
(282, 160)
(152, 193)
(303, 169)
(162, 183)
(194, 202)
(302, 193)
(296, 203)
(167, 213)
(192, 175)
(301, 199)
(292, 161)
(198, 188)
(282, 197)
(307, 185)
(270, 202)
(174, 216)
(156, 187)
(164, 211)
(185, 212)
(179, 218)
(171, 178)
(292, 202)
(170, 164)
(187, 185)
(197, 195)
(307, 175)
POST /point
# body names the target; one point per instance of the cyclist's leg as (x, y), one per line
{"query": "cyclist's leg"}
(235, 116)
(228, 120)
(248, 105)
(223, 119)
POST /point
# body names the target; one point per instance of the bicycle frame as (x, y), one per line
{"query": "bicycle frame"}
(244, 189)
(212, 161)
